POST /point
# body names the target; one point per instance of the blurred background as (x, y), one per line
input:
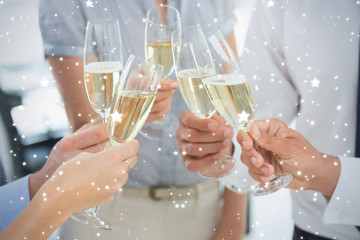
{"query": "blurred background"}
(33, 119)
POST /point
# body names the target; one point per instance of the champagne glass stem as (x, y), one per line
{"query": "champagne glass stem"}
(93, 211)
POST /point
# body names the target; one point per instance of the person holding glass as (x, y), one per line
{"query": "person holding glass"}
(294, 61)
(160, 200)
(36, 205)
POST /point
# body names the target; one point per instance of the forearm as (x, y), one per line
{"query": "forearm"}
(69, 76)
(38, 221)
(234, 216)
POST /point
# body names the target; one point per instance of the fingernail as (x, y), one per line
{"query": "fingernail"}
(256, 132)
(212, 126)
(244, 144)
(253, 160)
(174, 85)
(264, 170)
(187, 147)
(226, 142)
(228, 133)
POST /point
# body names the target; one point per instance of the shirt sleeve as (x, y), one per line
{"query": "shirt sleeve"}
(264, 65)
(226, 19)
(343, 206)
(214, 15)
(62, 25)
(14, 197)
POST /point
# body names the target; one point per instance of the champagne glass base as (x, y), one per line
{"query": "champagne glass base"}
(85, 218)
(277, 182)
(161, 129)
(220, 168)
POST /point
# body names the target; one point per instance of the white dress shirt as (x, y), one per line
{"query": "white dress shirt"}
(63, 25)
(301, 60)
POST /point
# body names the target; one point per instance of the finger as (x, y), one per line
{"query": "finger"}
(121, 181)
(245, 140)
(98, 147)
(259, 178)
(160, 105)
(198, 164)
(200, 149)
(83, 127)
(265, 170)
(129, 163)
(153, 116)
(168, 84)
(252, 158)
(189, 120)
(260, 132)
(89, 137)
(195, 136)
(162, 95)
(121, 152)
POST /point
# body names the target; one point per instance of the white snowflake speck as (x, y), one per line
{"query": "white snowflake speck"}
(89, 3)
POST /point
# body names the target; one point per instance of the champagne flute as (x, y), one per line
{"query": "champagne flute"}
(190, 71)
(161, 21)
(103, 64)
(133, 99)
(230, 93)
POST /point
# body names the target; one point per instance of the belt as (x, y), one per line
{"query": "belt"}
(300, 234)
(158, 193)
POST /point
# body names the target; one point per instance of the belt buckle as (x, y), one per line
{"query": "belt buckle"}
(152, 193)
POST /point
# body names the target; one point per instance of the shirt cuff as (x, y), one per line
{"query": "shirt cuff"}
(51, 49)
(343, 206)
(14, 197)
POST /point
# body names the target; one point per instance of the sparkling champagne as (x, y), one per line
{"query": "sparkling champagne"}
(231, 96)
(160, 52)
(194, 92)
(101, 79)
(129, 114)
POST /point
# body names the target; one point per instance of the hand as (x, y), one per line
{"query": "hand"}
(88, 138)
(201, 140)
(90, 179)
(162, 103)
(281, 149)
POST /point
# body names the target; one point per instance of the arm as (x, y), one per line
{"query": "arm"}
(234, 213)
(195, 133)
(88, 138)
(277, 143)
(284, 150)
(69, 190)
(68, 73)
(15, 196)
(234, 216)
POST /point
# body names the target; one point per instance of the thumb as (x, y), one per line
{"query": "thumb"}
(272, 135)
(168, 84)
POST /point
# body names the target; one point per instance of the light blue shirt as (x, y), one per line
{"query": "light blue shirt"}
(14, 197)
(63, 25)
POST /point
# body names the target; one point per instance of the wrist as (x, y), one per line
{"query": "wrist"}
(51, 215)
(327, 175)
(36, 180)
